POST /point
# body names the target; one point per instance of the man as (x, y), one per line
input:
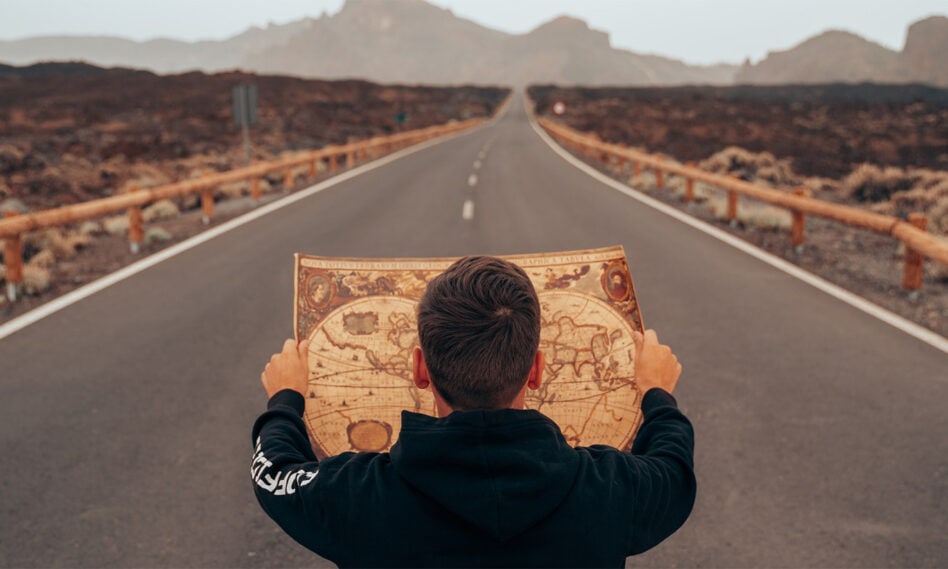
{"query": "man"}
(487, 483)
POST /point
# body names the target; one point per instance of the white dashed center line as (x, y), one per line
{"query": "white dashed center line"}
(481, 155)
(477, 164)
(467, 212)
(472, 180)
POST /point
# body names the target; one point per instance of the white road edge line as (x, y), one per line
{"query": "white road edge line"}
(467, 211)
(95, 286)
(924, 334)
(472, 180)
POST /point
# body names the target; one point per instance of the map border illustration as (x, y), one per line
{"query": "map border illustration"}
(364, 298)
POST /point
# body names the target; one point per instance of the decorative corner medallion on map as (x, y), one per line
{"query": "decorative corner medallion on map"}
(319, 290)
(616, 281)
(369, 435)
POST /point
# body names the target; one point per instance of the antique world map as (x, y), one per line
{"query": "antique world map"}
(359, 315)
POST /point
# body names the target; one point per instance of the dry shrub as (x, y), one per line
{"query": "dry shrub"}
(79, 240)
(766, 217)
(162, 209)
(818, 184)
(752, 214)
(60, 244)
(116, 225)
(938, 217)
(90, 228)
(144, 175)
(901, 192)
(157, 235)
(200, 172)
(233, 190)
(751, 166)
(5, 191)
(36, 280)
(274, 178)
(190, 201)
(44, 259)
(11, 158)
(870, 183)
(13, 204)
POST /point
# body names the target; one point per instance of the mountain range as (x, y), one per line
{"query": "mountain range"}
(839, 56)
(412, 41)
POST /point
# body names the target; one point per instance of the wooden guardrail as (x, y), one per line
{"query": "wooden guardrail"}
(919, 244)
(14, 225)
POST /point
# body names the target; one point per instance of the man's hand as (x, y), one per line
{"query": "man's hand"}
(288, 370)
(655, 364)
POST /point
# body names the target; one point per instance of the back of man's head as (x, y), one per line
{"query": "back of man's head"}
(479, 327)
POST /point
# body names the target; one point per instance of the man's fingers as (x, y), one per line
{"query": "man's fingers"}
(289, 345)
(651, 336)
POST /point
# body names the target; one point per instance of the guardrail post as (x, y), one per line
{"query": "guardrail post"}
(914, 261)
(13, 260)
(636, 168)
(689, 186)
(364, 154)
(312, 169)
(288, 179)
(799, 221)
(732, 198)
(207, 205)
(255, 189)
(136, 227)
(333, 163)
(350, 159)
(660, 173)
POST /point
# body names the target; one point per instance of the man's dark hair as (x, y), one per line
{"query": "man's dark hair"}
(479, 327)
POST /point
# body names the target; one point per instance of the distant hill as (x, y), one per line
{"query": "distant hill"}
(924, 58)
(838, 56)
(160, 55)
(412, 41)
(381, 40)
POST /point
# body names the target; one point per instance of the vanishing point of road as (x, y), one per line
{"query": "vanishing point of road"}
(822, 433)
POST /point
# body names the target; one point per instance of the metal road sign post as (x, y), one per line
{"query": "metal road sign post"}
(245, 112)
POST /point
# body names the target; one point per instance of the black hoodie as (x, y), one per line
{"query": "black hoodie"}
(477, 489)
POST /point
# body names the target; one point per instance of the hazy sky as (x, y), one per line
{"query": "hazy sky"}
(698, 31)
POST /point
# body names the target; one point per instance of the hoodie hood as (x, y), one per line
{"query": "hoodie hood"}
(501, 470)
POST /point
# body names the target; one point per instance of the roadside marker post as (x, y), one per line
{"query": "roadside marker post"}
(690, 186)
(207, 205)
(255, 189)
(13, 260)
(660, 173)
(914, 261)
(136, 227)
(799, 221)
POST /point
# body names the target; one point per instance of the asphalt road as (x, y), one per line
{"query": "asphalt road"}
(822, 437)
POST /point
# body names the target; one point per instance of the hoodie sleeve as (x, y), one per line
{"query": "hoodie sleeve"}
(284, 470)
(663, 464)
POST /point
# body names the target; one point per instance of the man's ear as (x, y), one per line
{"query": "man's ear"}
(419, 371)
(535, 377)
